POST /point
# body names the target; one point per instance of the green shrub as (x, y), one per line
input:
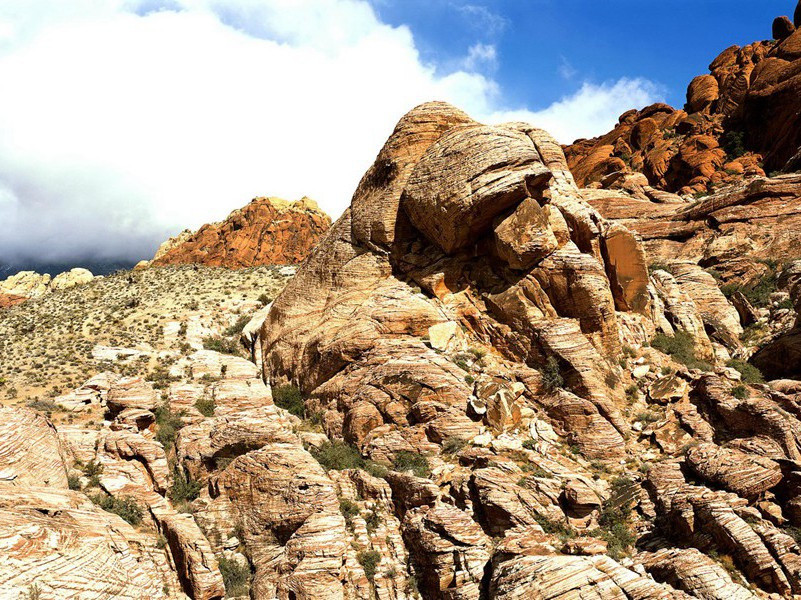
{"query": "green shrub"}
(453, 445)
(733, 143)
(551, 375)
(183, 488)
(221, 344)
(167, 425)
(265, 299)
(758, 293)
(740, 392)
(124, 507)
(748, 372)
(206, 406)
(369, 560)
(338, 456)
(406, 460)
(46, 406)
(289, 398)
(372, 521)
(615, 517)
(349, 509)
(681, 347)
(236, 328)
(553, 527)
(235, 576)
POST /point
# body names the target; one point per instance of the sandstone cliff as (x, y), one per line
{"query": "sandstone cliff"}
(268, 231)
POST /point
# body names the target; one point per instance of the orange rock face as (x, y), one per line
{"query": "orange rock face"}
(7, 300)
(268, 231)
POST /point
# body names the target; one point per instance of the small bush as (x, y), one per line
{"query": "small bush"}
(124, 507)
(206, 406)
(748, 372)
(740, 392)
(236, 328)
(349, 510)
(221, 344)
(372, 520)
(552, 527)
(615, 517)
(758, 293)
(235, 576)
(74, 482)
(46, 406)
(681, 347)
(453, 445)
(289, 398)
(369, 560)
(406, 460)
(733, 143)
(167, 425)
(551, 376)
(265, 299)
(338, 456)
(183, 488)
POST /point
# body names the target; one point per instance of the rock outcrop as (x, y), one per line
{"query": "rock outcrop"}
(268, 231)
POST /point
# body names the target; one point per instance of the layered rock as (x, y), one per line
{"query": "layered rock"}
(268, 231)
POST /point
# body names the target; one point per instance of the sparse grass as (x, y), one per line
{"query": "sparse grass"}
(289, 398)
(681, 347)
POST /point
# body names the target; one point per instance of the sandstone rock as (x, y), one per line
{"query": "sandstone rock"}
(524, 237)
(71, 278)
(268, 231)
(30, 451)
(743, 474)
(782, 28)
(26, 284)
(702, 92)
(131, 392)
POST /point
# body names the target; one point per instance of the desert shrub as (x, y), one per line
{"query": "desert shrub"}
(221, 344)
(46, 406)
(289, 398)
(647, 416)
(372, 521)
(125, 507)
(657, 266)
(406, 460)
(161, 378)
(74, 482)
(183, 488)
(740, 392)
(551, 376)
(748, 372)
(236, 577)
(554, 527)
(236, 328)
(681, 347)
(615, 517)
(338, 455)
(349, 510)
(167, 425)
(733, 143)
(758, 292)
(369, 560)
(453, 445)
(206, 406)
(264, 299)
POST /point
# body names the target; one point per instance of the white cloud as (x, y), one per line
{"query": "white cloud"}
(481, 57)
(124, 120)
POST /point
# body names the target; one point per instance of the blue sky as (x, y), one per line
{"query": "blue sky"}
(545, 48)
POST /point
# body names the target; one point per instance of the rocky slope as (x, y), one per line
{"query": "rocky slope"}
(740, 120)
(24, 285)
(268, 231)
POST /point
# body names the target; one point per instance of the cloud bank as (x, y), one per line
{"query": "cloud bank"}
(122, 121)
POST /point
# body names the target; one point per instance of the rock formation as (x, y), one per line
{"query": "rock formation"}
(268, 231)
(28, 284)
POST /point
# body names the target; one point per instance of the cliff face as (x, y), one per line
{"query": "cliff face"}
(268, 231)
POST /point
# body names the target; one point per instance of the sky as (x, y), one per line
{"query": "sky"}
(125, 121)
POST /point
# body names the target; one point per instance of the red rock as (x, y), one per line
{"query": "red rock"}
(782, 28)
(268, 231)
